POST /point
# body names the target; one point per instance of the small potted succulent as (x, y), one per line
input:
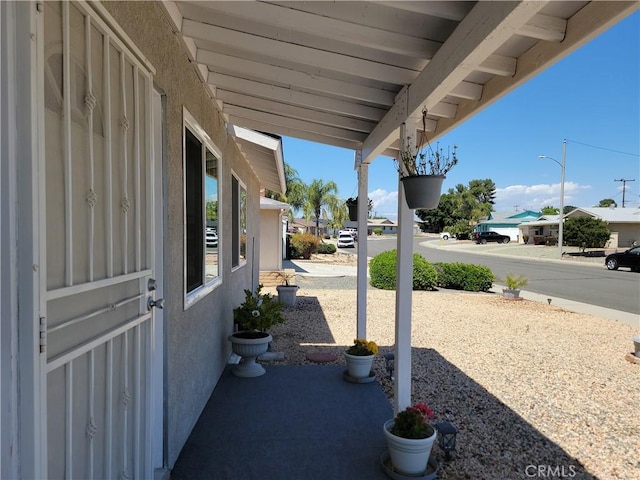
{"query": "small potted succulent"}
(514, 284)
(253, 317)
(360, 357)
(410, 439)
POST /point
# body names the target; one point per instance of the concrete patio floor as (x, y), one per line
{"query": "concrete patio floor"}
(295, 422)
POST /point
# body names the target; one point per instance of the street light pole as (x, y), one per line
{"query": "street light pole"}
(561, 217)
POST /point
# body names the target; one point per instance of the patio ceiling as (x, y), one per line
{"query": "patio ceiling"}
(349, 73)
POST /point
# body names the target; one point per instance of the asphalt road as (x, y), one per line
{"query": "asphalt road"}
(592, 285)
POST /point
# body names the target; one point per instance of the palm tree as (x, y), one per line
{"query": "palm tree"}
(295, 193)
(318, 195)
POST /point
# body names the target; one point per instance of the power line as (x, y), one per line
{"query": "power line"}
(606, 149)
(624, 186)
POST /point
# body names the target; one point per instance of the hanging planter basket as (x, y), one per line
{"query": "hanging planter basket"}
(423, 191)
(352, 206)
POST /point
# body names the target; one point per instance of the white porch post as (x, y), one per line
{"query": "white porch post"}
(361, 305)
(404, 286)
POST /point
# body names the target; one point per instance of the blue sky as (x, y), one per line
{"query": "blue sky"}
(591, 98)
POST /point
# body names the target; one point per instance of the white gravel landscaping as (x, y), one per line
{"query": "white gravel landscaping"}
(536, 391)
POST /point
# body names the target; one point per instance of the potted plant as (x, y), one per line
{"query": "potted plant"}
(514, 284)
(422, 171)
(352, 206)
(253, 317)
(410, 439)
(359, 358)
(287, 291)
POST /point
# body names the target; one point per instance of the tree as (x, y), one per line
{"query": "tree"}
(466, 204)
(568, 208)
(607, 202)
(294, 195)
(318, 195)
(549, 210)
(586, 232)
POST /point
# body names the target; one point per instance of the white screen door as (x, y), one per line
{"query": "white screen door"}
(99, 248)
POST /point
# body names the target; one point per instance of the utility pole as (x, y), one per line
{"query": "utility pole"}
(624, 186)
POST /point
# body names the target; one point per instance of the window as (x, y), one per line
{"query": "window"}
(239, 222)
(201, 193)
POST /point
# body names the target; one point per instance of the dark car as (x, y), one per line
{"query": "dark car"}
(629, 258)
(484, 237)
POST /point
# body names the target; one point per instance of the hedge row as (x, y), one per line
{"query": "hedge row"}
(303, 245)
(426, 276)
(464, 276)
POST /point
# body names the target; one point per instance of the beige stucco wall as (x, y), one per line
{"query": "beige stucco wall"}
(270, 240)
(627, 233)
(196, 339)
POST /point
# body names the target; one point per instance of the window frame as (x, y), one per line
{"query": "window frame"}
(236, 241)
(190, 123)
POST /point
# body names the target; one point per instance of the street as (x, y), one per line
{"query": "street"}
(619, 289)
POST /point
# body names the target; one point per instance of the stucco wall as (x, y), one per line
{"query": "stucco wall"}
(270, 240)
(627, 233)
(196, 339)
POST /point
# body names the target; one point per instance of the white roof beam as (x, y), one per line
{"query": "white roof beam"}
(226, 82)
(478, 35)
(276, 49)
(254, 103)
(325, 130)
(240, 67)
(284, 17)
(498, 65)
(294, 132)
(544, 27)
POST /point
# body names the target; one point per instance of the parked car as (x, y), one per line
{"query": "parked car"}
(211, 237)
(345, 239)
(484, 237)
(445, 235)
(629, 258)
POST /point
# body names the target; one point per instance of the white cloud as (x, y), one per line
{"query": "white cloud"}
(385, 204)
(534, 197)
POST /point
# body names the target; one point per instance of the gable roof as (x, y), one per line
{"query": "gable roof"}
(609, 215)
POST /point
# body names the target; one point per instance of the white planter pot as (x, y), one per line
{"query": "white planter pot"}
(511, 293)
(249, 349)
(359, 366)
(287, 294)
(409, 456)
(636, 345)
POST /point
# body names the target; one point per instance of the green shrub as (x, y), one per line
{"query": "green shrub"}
(303, 245)
(464, 276)
(586, 232)
(382, 271)
(327, 248)
(377, 231)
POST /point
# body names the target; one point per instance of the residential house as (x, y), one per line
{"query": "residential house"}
(119, 148)
(302, 225)
(506, 223)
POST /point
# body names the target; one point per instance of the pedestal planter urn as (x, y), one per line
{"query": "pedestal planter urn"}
(249, 346)
(253, 317)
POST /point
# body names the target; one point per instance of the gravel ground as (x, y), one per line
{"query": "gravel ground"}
(536, 391)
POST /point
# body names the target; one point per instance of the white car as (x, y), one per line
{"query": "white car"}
(445, 235)
(345, 240)
(211, 237)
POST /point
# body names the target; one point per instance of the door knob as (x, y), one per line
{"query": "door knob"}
(159, 303)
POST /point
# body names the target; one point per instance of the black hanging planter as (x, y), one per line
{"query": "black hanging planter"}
(352, 205)
(423, 191)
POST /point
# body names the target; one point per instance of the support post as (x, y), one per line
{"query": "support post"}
(363, 201)
(404, 286)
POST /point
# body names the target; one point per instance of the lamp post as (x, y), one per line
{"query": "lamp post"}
(561, 219)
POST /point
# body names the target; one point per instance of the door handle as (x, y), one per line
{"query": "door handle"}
(159, 303)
